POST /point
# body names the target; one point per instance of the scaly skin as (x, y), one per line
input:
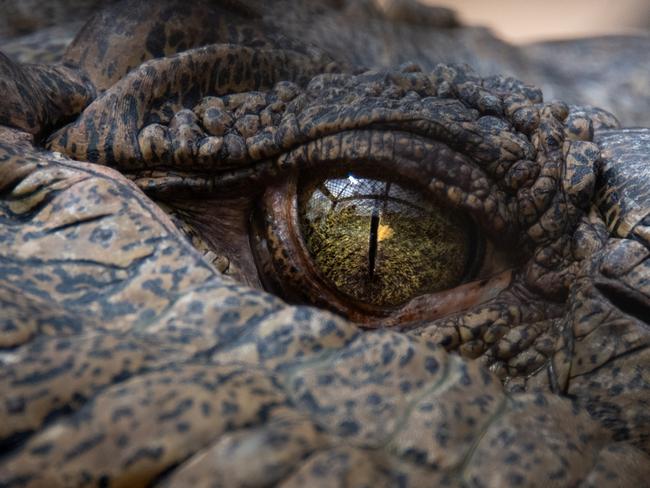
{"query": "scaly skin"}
(130, 360)
(609, 72)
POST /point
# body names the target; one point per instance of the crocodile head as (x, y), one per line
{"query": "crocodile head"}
(508, 336)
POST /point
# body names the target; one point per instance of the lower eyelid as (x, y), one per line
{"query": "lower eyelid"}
(430, 307)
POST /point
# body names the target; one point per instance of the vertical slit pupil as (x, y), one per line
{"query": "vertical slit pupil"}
(372, 245)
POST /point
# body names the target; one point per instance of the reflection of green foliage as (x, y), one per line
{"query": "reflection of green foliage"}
(426, 252)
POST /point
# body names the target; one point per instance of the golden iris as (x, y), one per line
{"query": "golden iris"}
(381, 243)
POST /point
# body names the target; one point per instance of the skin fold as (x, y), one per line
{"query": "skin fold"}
(148, 208)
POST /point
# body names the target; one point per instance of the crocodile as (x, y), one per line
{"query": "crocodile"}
(173, 312)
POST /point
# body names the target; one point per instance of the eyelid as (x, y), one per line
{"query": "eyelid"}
(301, 281)
(435, 305)
(429, 166)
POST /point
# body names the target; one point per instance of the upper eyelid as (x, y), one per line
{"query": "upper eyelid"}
(493, 121)
(312, 112)
(466, 187)
(432, 167)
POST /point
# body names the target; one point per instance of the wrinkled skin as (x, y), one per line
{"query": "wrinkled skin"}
(609, 72)
(139, 349)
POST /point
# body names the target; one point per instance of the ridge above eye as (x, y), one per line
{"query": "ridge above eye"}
(382, 244)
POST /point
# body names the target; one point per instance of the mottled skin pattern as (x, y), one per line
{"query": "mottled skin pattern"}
(609, 72)
(138, 349)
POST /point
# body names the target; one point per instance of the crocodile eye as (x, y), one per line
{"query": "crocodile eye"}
(381, 244)
(378, 249)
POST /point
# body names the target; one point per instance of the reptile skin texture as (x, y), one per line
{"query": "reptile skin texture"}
(161, 324)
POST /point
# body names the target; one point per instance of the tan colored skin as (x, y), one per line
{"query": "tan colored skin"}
(129, 360)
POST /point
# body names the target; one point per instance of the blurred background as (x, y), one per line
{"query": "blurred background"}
(534, 20)
(516, 21)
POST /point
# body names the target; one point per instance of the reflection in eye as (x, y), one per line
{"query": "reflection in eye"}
(382, 244)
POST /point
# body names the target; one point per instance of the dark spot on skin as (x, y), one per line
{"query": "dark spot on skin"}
(557, 475)
(156, 40)
(229, 317)
(147, 315)
(348, 428)
(325, 379)
(515, 479)
(616, 390)
(47, 375)
(442, 434)
(425, 407)
(276, 343)
(302, 314)
(152, 453)
(405, 358)
(83, 446)
(42, 450)
(431, 364)
(415, 455)
(154, 286)
(122, 441)
(229, 408)
(512, 458)
(206, 409)
(387, 354)
(182, 407)
(15, 405)
(373, 399)
(121, 412)
(196, 307)
(486, 377)
(465, 380)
